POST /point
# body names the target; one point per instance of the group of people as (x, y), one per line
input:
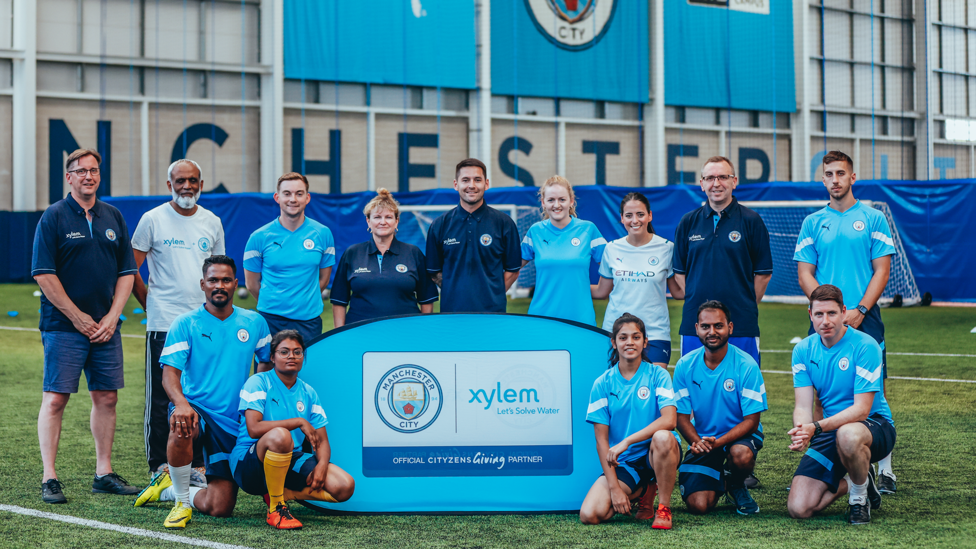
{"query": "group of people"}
(211, 427)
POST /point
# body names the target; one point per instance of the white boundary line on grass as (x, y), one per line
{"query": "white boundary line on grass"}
(116, 528)
(893, 377)
(896, 354)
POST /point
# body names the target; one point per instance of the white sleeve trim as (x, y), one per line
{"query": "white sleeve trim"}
(316, 409)
(803, 244)
(330, 250)
(251, 397)
(251, 253)
(870, 376)
(175, 348)
(681, 393)
(663, 392)
(598, 242)
(594, 406)
(753, 395)
(528, 241)
(263, 341)
(799, 368)
(878, 235)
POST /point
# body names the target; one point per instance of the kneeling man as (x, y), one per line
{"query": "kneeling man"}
(206, 360)
(722, 386)
(283, 418)
(843, 366)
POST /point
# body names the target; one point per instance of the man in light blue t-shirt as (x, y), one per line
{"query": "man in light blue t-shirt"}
(849, 245)
(288, 263)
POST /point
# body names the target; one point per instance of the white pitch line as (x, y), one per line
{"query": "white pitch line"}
(892, 377)
(896, 354)
(18, 329)
(116, 528)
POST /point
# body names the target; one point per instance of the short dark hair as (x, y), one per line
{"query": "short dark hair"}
(838, 156)
(471, 163)
(716, 159)
(286, 334)
(292, 176)
(219, 260)
(79, 154)
(715, 305)
(827, 292)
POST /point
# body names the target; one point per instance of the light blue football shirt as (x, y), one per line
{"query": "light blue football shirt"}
(215, 358)
(850, 367)
(562, 268)
(721, 398)
(842, 246)
(266, 393)
(627, 406)
(289, 264)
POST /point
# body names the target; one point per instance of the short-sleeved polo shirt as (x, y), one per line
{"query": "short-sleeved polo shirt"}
(375, 285)
(289, 263)
(473, 251)
(720, 260)
(88, 259)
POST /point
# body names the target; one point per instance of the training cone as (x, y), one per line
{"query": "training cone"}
(137, 311)
(12, 313)
(143, 321)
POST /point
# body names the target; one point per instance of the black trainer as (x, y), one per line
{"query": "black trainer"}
(112, 483)
(752, 482)
(886, 483)
(51, 491)
(859, 514)
(874, 496)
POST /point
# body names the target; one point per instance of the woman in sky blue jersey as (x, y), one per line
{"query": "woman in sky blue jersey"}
(562, 246)
(633, 412)
(635, 273)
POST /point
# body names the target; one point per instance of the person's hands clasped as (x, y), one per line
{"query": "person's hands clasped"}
(800, 436)
(105, 329)
(703, 446)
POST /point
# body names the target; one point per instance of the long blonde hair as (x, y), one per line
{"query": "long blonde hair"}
(564, 183)
(383, 199)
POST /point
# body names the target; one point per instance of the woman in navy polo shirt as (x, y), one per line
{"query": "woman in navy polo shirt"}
(382, 276)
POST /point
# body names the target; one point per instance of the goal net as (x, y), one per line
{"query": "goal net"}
(784, 219)
(415, 222)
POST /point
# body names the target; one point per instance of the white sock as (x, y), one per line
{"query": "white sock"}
(858, 493)
(193, 493)
(168, 494)
(884, 466)
(181, 483)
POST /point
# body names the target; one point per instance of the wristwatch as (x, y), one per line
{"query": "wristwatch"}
(816, 428)
(862, 309)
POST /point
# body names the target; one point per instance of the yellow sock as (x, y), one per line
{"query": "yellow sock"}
(275, 470)
(309, 494)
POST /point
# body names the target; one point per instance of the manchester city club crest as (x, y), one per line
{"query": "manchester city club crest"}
(401, 268)
(858, 225)
(844, 363)
(300, 406)
(735, 236)
(408, 398)
(204, 244)
(309, 244)
(643, 393)
(110, 234)
(486, 240)
(653, 260)
(572, 24)
(243, 336)
(729, 385)
(575, 242)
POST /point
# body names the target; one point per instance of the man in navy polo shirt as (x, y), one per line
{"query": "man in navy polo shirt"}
(473, 251)
(83, 263)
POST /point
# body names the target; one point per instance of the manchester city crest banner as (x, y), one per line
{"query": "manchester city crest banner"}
(732, 54)
(401, 42)
(578, 49)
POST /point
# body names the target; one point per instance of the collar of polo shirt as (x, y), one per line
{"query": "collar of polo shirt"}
(395, 247)
(75, 207)
(710, 211)
(479, 213)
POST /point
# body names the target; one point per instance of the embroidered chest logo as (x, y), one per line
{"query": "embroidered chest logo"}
(300, 406)
(643, 393)
(486, 240)
(825, 226)
(729, 385)
(308, 244)
(243, 336)
(110, 234)
(858, 225)
(401, 268)
(204, 244)
(207, 336)
(653, 260)
(735, 236)
(73, 235)
(696, 238)
(451, 242)
(574, 242)
(698, 383)
(361, 270)
(844, 364)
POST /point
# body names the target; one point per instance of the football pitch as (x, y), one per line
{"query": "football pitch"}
(935, 460)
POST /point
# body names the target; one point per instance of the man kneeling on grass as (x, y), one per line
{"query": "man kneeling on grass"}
(283, 418)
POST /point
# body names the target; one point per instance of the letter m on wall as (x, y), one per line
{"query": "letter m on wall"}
(61, 142)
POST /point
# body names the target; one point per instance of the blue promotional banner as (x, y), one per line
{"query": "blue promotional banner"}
(400, 42)
(430, 414)
(580, 49)
(735, 54)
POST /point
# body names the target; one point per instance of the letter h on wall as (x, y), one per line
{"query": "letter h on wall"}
(331, 167)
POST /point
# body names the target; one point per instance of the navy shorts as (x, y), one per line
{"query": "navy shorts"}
(217, 444)
(704, 472)
(658, 350)
(822, 462)
(67, 354)
(638, 473)
(748, 344)
(249, 474)
(310, 329)
(874, 327)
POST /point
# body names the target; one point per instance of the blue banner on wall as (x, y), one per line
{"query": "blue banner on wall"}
(581, 49)
(734, 54)
(400, 42)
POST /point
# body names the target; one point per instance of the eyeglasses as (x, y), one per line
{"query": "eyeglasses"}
(714, 178)
(284, 353)
(84, 172)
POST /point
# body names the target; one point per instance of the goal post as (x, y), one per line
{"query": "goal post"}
(784, 218)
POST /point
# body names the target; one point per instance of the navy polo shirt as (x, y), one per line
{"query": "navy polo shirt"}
(88, 259)
(375, 286)
(720, 261)
(473, 251)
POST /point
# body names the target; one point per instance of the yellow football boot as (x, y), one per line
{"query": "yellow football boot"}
(179, 516)
(159, 483)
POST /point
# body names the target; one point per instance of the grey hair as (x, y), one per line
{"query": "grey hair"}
(169, 173)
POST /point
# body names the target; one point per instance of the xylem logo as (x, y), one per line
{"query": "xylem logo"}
(498, 396)
(174, 242)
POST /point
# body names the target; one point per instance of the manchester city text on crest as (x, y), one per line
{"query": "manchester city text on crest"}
(408, 398)
(572, 24)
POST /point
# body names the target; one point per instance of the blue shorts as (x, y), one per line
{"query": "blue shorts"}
(703, 472)
(658, 350)
(67, 354)
(748, 344)
(216, 442)
(874, 327)
(249, 472)
(638, 473)
(822, 462)
(310, 329)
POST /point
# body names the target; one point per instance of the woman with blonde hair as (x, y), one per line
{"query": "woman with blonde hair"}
(382, 276)
(562, 246)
